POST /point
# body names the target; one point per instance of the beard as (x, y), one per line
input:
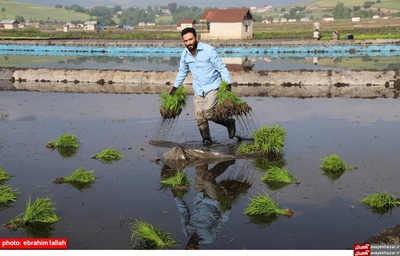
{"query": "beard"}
(193, 46)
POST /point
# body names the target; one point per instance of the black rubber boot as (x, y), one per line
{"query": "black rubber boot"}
(229, 124)
(205, 134)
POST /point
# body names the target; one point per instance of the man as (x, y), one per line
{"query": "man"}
(317, 35)
(208, 71)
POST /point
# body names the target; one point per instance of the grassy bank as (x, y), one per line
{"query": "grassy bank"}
(365, 30)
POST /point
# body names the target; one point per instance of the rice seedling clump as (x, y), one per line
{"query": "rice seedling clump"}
(381, 200)
(146, 236)
(229, 104)
(179, 183)
(277, 177)
(80, 175)
(172, 105)
(334, 163)
(7, 194)
(264, 205)
(266, 140)
(4, 176)
(108, 155)
(66, 141)
(40, 212)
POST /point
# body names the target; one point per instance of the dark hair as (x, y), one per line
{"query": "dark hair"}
(188, 30)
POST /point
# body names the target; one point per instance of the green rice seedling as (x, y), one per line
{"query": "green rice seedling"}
(65, 141)
(172, 105)
(108, 155)
(179, 183)
(80, 175)
(7, 194)
(334, 163)
(229, 104)
(40, 212)
(179, 179)
(146, 236)
(381, 200)
(264, 205)
(266, 140)
(4, 176)
(277, 178)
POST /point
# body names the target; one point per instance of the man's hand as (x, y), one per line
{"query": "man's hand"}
(173, 90)
(229, 87)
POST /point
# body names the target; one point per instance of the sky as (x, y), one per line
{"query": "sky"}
(144, 4)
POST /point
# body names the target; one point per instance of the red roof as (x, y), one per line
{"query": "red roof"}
(226, 15)
(187, 21)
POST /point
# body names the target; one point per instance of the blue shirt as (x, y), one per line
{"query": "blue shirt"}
(207, 68)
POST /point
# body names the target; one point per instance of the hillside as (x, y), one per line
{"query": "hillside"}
(38, 12)
(384, 4)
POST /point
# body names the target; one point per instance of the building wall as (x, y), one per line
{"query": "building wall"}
(229, 30)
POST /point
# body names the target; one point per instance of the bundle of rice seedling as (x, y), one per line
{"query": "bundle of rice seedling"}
(334, 163)
(172, 105)
(381, 200)
(65, 141)
(40, 212)
(108, 155)
(7, 194)
(179, 183)
(146, 236)
(266, 140)
(80, 175)
(277, 178)
(264, 205)
(229, 104)
(4, 176)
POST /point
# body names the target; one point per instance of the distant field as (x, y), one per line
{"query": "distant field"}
(390, 4)
(38, 12)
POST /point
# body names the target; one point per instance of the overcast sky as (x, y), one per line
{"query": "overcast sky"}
(144, 4)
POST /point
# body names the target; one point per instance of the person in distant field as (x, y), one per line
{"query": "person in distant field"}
(208, 71)
(335, 35)
(317, 35)
(349, 36)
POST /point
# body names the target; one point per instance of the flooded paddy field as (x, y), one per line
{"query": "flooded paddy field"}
(328, 214)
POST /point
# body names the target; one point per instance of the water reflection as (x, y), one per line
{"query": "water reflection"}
(235, 63)
(212, 200)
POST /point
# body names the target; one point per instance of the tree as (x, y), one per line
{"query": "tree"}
(3, 10)
(341, 12)
(19, 18)
(172, 7)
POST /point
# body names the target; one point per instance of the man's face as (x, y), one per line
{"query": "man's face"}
(190, 41)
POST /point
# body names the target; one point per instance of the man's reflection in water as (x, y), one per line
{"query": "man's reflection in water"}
(203, 225)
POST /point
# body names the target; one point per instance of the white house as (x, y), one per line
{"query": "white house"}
(233, 23)
(9, 24)
(356, 18)
(92, 25)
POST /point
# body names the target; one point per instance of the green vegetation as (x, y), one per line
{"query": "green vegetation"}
(172, 105)
(80, 175)
(40, 212)
(4, 176)
(266, 140)
(7, 194)
(146, 236)
(277, 177)
(229, 104)
(64, 141)
(334, 163)
(179, 179)
(381, 200)
(264, 205)
(39, 13)
(108, 155)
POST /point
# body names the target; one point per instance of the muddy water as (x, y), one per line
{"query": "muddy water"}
(328, 215)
